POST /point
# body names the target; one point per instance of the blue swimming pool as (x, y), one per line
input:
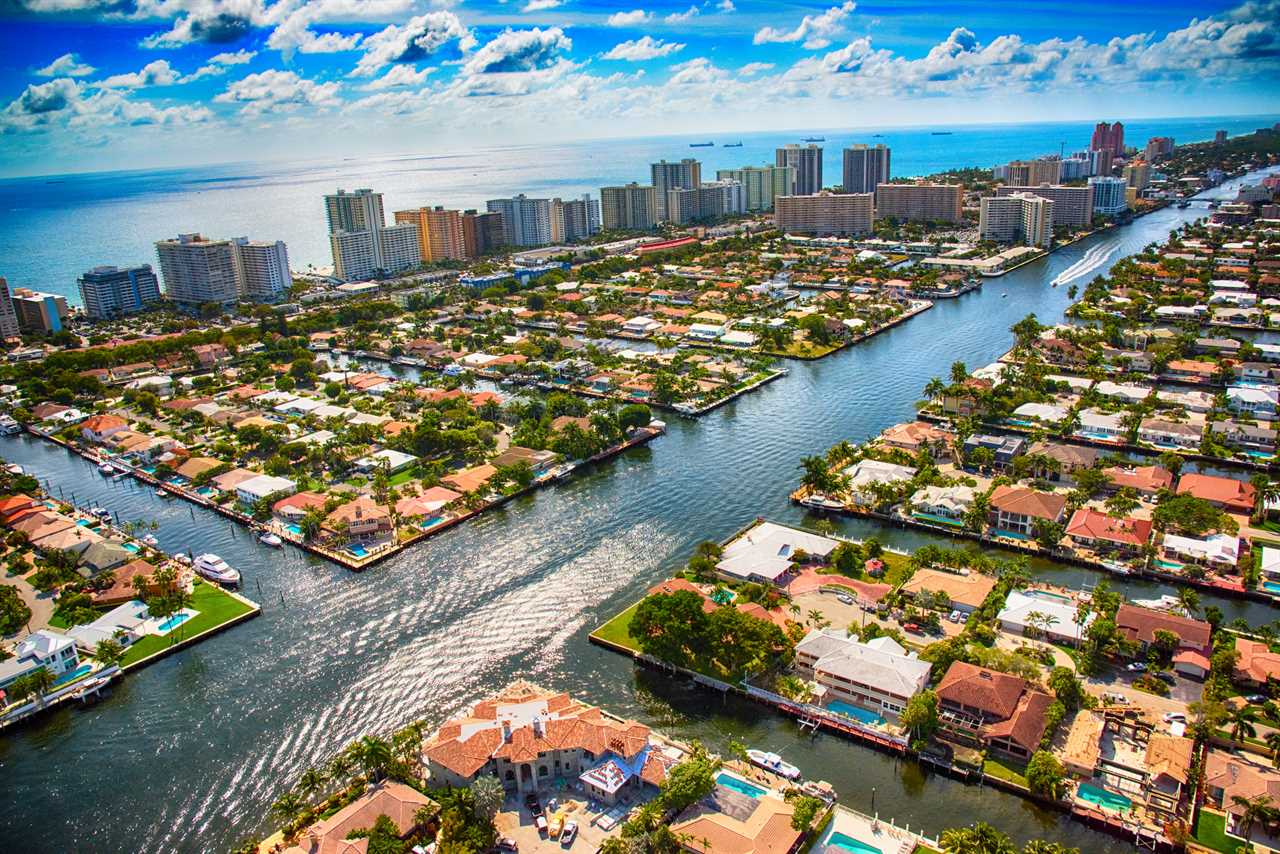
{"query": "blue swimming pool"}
(294, 528)
(1271, 586)
(72, 675)
(848, 843)
(357, 550)
(132, 547)
(1013, 535)
(840, 707)
(742, 787)
(173, 622)
(430, 523)
(1103, 798)
(206, 491)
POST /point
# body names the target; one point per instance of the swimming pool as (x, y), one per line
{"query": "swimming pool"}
(723, 597)
(1103, 798)
(742, 787)
(357, 550)
(1013, 535)
(848, 843)
(72, 675)
(430, 523)
(941, 520)
(173, 622)
(840, 707)
(132, 547)
(1167, 564)
(294, 528)
(1271, 586)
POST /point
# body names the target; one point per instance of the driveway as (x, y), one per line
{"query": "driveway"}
(1120, 681)
(41, 604)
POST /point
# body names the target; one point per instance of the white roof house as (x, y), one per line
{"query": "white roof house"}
(394, 460)
(765, 552)
(950, 501)
(641, 325)
(1270, 562)
(257, 488)
(319, 437)
(1221, 549)
(1041, 412)
(299, 405)
(44, 648)
(128, 620)
(1125, 391)
(880, 665)
(866, 472)
(738, 338)
(1021, 606)
(1074, 383)
(1094, 421)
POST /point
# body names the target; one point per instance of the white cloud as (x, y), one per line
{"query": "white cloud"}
(752, 68)
(219, 63)
(278, 90)
(155, 73)
(638, 50)
(815, 30)
(628, 19)
(398, 75)
(681, 17)
(417, 39)
(67, 104)
(542, 5)
(515, 51)
(726, 6)
(67, 65)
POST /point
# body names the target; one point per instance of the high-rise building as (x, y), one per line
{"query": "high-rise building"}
(865, 168)
(1019, 218)
(197, 270)
(1108, 137)
(575, 219)
(632, 207)
(1043, 170)
(482, 232)
(8, 317)
(1108, 195)
(38, 311)
(358, 211)
(1100, 161)
(109, 292)
(525, 221)
(706, 201)
(825, 213)
(761, 184)
(440, 232)
(1076, 167)
(920, 202)
(1072, 206)
(262, 269)
(1158, 148)
(1219, 137)
(807, 161)
(1137, 174)
(673, 176)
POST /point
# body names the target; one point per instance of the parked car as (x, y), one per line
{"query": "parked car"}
(1112, 697)
(569, 834)
(531, 801)
(1171, 717)
(1257, 698)
(540, 821)
(956, 616)
(506, 843)
(1136, 667)
(1167, 677)
(844, 598)
(913, 628)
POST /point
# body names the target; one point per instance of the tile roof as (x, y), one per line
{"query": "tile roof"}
(1141, 624)
(1169, 755)
(1227, 491)
(1257, 662)
(396, 801)
(1028, 502)
(1087, 523)
(992, 692)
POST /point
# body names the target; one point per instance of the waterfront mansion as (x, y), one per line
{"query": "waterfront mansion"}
(531, 738)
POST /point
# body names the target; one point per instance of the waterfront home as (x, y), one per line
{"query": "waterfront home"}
(1139, 625)
(864, 474)
(1257, 666)
(1219, 552)
(1245, 436)
(1169, 434)
(641, 325)
(539, 461)
(1048, 614)
(532, 739)
(294, 507)
(997, 709)
(193, 467)
(400, 803)
(1228, 776)
(1223, 346)
(228, 481)
(1128, 392)
(1015, 509)
(738, 818)
(210, 355)
(914, 436)
(1103, 533)
(1069, 458)
(965, 591)
(74, 539)
(15, 507)
(1232, 495)
(1003, 448)
(943, 503)
(1101, 426)
(41, 524)
(1253, 401)
(98, 428)
(1191, 370)
(1165, 772)
(42, 649)
(1144, 480)
(103, 556)
(125, 623)
(878, 676)
(262, 487)
(387, 459)
(469, 480)
(361, 518)
(1044, 413)
(767, 551)
(433, 500)
(123, 587)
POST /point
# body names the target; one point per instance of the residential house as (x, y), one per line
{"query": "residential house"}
(1147, 481)
(1139, 625)
(879, 676)
(1100, 426)
(123, 586)
(42, 649)
(264, 486)
(965, 590)
(1219, 552)
(1228, 776)
(1257, 666)
(1254, 401)
(1070, 459)
(361, 518)
(539, 461)
(103, 556)
(468, 480)
(1169, 434)
(98, 428)
(915, 436)
(1003, 448)
(400, 803)
(768, 551)
(1015, 510)
(864, 474)
(387, 459)
(1245, 436)
(1048, 614)
(1106, 534)
(997, 709)
(1229, 494)
(295, 506)
(947, 504)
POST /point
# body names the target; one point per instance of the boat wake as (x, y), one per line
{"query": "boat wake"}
(1092, 260)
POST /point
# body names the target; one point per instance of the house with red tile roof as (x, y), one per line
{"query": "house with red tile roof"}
(530, 738)
(1015, 509)
(99, 428)
(398, 802)
(1232, 495)
(296, 506)
(361, 518)
(1104, 533)
(916, 435)
(1140, 625)
(1144, 480)
(1257, 665)
(998, 709)
(1229, 775)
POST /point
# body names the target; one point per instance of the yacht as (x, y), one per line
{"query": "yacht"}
(9, 427)
(162, 493)
(216, 569)
(267, 538)
(150, 539)
(773, 762)
(106, 469)
(14, 468)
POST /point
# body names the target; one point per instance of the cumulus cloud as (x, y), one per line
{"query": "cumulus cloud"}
(753, 68)
(219, 63)
(68, 104)
(638, 50)
(155, 73)
(515, 51)
(542, 5)
(397, 76)
(726, 6)
(67, 65)
(816, 31)
(417, 39)
(223, 27)
(278, 90)
(681, 17)
(629, 19)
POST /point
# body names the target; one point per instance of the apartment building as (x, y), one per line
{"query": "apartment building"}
(8, 317)
(38, 311)
(440, 232)
(825, 213)
(666, 176)
(575, 219)
(920, 202)
(482, 232)
(632, 207)
(109, 291)
(1072, 206)
(1032, 172)
(525, 221)
(262, 269)
(706, 201)
(807, 161)
(865, 168)
(197, 270)
(761, 184)
(1109, 195)
(1018, 218)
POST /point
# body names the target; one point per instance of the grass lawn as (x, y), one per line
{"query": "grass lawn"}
(1005, 769)
(58, 622)
(618, 631)
(803, 349)
(896, 568)
(1211, 831)
(402, 477)
(215, 607)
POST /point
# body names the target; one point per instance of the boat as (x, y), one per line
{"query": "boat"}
(8, 426)
(1184, 204)
(773, 762)
(1003, 295)
(702, 145)
(14, 468)
(185, 560)
(941, 133)
(732, 145)
(815, 139)
(150, 539)
(162, 493)
(267, 538)
(216, 569)
(101, 512)
(106, 469)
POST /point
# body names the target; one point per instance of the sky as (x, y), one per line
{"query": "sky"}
(91, 85)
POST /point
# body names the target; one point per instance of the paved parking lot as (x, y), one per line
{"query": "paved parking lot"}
(1120, 681)
(843, 616)
(517, 822)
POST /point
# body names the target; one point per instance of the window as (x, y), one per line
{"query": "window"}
(542, 770)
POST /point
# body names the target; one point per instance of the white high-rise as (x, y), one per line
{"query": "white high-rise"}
(666, 177)
(1109, 195)
(1018, 218)
(263, 268)
(525, 221)
(362, 243)
(197, 271)
(761, 184)
(807, 161)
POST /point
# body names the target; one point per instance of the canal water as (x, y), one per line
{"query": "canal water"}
(189, 753)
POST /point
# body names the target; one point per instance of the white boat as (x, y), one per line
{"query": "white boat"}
(773, 762)
(101, 512)
(14, 468)
(269, 539)
(216, 569)
(106, 469)
(9, 427)
(150, 539)
(162, 493)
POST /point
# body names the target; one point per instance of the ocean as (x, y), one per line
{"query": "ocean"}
(56, 227)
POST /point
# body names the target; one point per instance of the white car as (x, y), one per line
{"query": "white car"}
(844, 598)
(1171, 717)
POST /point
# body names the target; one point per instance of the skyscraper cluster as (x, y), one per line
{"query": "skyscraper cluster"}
(362, 243)
(200, 271)
(1108, 137)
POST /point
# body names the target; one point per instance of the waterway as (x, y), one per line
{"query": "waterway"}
(189, 753)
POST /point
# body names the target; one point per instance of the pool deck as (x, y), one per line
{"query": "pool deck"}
(871, 830)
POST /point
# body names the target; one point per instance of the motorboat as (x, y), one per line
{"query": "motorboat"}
(183, 559)
(106, 469)
(214, 568)
(150, 540)
(267, 538)
(1004, 295)
(774, 763)
(101, 512)
(162, 493)
(8, 426)
(14, 468)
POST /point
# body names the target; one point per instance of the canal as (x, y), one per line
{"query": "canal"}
(189, 753)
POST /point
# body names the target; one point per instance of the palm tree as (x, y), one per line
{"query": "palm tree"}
(340, 767)
(374, 755)
(1273, 742)
(287, 807)
(311, 783)
(1242, 723)
(934, 388)
(1188, 601)
(1255, 809)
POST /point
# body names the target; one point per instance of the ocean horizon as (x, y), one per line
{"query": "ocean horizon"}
(82, 220)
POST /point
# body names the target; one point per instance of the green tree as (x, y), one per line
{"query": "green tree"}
(981, 838)
(920, 716)
(1045, 774)
(688, 783)
(488, 795)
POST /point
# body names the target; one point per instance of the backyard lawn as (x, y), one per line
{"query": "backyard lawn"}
(618, 631)
(1005, 770)
(1211, 832)
(215, 607)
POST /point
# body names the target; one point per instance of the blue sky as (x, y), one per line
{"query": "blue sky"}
(103, 84)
